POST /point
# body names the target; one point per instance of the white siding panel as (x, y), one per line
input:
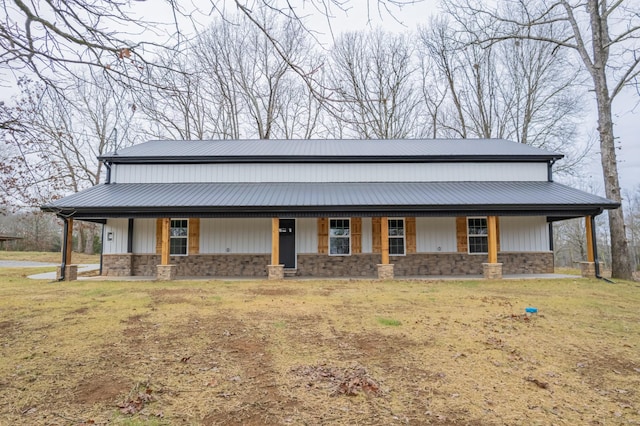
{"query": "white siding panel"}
(235, 235)
(307, 235)
(524, 234)
(367, 235)
(436, 234)
(118, 228)
(406, 172)
(144, 236)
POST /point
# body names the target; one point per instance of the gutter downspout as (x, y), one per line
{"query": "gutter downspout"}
(65, 241)
(595, 251)
(101, 249)
(550, 170)
(107, 165)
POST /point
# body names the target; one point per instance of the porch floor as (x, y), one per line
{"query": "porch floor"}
(52, 276)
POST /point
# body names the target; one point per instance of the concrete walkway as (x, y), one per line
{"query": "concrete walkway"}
(52, 275)
(417, 278)
(23, 264)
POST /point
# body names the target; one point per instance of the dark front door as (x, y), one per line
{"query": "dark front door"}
(288, 243)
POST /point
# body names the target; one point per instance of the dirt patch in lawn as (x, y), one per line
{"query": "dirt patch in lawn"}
(101, 389)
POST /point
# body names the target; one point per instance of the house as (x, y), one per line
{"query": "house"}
(323, 208)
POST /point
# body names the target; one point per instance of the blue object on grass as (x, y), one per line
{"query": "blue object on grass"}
(531, 310)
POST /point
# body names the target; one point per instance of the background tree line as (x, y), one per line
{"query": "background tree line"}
(472, 71)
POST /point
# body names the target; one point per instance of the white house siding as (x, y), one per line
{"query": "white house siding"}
(307, 235)
(367, 235)
(235, 236)
(524, 234)
(436, 234)
(385, 172)
(144, 236)
(117, 230)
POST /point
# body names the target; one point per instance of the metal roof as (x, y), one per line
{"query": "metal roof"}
(311, 199)
(321, 150)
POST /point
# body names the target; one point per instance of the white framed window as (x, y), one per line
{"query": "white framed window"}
(396, 237)
(339, 237)
(478, 238)
(179, 237)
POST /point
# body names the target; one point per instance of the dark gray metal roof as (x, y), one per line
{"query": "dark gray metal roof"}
(317, 150)
(308, 199)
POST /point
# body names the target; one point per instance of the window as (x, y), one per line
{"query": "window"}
(179, 235)
(478, 237)
(396, 237)
(339, 237)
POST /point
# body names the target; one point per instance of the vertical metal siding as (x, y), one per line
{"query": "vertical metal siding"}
(522, 234)
(409, 172)
(307, 235)
(436, 234)
(144, 236)
(235, 236)
(367, 235)
(118, 229)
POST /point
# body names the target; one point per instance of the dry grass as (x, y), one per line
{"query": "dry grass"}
(319, 352)
(49, 257)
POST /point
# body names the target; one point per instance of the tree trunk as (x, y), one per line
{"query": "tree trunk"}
(620, 259)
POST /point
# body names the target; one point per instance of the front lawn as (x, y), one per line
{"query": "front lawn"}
(319, 352)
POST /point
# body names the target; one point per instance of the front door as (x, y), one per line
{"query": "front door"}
(288, 243)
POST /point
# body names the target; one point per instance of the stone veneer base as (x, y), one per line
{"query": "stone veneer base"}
(166, 272)
(70, 273)
(275, 272)
(385, 271)
(588, 269)
(492, 271)
(322, 265)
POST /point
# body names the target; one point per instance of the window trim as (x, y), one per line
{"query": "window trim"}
(485, 236)
(329, 236)
(186, 237)
(404, 236)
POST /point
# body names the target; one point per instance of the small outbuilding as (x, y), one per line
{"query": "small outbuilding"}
(329, 208)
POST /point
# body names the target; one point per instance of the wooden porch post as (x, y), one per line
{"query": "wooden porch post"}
(590, 255)
(589, 269)
(69, 246)
(384, 239)
(492, 270)
(492, 238)
(275, 271)
(66, 271)
(385, 269)
(275, 241)
(166, 246)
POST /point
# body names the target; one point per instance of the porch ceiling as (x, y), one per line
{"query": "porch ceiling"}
(549, 199)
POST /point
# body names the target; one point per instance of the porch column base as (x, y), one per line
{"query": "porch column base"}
(588, 269)
(492, 271)
(165, 272)
(385, 271)
(70, 273)
(276, 272)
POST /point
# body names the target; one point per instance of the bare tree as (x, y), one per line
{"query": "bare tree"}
(249, 79)
(605, 36)
(374, 74)
(521, 90)
(55, 151)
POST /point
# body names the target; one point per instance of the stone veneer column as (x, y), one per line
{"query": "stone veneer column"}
(276, 272)
(588, 269)
(492, 271)
(165, 272)
(70, 273)
(385, 271)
